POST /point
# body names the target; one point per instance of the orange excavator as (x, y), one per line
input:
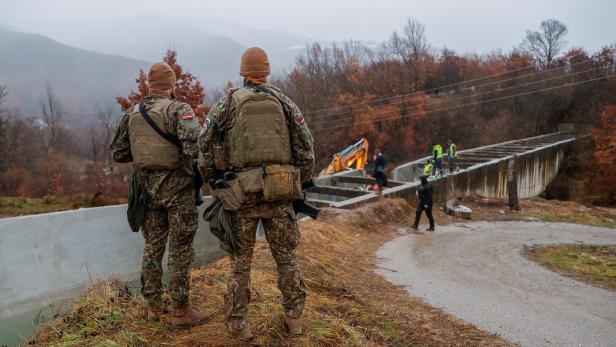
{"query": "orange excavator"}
(354, 154)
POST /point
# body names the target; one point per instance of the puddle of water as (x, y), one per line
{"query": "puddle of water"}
(19, 328)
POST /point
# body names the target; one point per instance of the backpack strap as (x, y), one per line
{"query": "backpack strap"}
(171, 138)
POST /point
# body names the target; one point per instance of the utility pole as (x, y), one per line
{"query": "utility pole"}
(512, 185)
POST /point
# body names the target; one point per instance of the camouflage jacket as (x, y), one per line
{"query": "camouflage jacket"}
(163, 185)
(302, 152)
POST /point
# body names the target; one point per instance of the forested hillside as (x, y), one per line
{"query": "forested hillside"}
(402, 95)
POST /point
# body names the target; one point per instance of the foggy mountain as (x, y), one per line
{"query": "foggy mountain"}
(88, 64)
(209, 48)
(82, 80)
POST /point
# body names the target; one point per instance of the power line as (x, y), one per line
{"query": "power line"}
(443, 86)
(428, 90)
(394, 103)
(471, 104)
(348, 117)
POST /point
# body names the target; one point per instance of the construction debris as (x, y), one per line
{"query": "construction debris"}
(453, 208)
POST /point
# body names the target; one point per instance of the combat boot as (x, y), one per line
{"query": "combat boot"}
(185, 316)
(293, 325)
(413, 226)
(242, 334)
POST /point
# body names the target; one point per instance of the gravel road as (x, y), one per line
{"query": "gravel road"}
(476, 272)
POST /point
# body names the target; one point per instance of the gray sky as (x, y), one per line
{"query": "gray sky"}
(464, 25)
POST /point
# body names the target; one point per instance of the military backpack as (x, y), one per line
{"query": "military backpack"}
(150, 150)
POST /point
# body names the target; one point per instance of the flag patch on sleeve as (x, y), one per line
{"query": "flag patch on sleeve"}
(302, 120)
(187, 116)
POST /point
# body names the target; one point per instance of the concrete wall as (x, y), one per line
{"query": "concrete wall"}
(49, 257)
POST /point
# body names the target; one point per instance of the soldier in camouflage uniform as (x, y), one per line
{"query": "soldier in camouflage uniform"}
(166, 172)
(278, 218)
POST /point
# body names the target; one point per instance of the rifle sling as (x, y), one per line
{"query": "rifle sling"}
(171, 138)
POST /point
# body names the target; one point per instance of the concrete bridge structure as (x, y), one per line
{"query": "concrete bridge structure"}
(483, 172)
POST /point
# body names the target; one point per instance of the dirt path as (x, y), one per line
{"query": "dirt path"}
(476, 271)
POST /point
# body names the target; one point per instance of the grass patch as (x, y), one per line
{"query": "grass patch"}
(569, 212)
(595, 265)
(347, 304)
(18, 206)
(581, 218)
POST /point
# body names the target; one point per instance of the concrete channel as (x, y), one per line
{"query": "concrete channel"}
(49, 258)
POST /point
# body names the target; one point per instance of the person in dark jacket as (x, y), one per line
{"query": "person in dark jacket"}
(425, 203)
(379, 170)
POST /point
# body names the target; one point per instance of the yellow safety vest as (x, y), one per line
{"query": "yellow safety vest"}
(453, 152)
(428, 169)
(439, 151)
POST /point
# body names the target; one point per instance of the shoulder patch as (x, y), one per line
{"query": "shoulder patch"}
(302, 120)
(187, 116)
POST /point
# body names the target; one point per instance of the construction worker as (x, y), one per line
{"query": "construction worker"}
(452, 154)
(428, 167)
(379, 171)
(424, 193)
(437, 156)
(263, 140)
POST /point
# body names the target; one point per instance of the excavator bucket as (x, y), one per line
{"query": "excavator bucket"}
(356, 154)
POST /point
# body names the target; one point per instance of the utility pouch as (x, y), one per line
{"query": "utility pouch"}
(233, 197)
(281, 183)
(251, 180)
(219, 157)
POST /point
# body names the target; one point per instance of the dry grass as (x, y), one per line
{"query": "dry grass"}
(571, 212)
(546, 210)
(592, 264)
(18, 206)
(347, 304)
(15, 206)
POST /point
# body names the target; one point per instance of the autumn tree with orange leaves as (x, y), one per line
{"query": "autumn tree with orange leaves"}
(605, 154)
(188, 88)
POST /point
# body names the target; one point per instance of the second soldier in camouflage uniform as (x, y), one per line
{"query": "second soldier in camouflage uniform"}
(166, 172)
(278, 218)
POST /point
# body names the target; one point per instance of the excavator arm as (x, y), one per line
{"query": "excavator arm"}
(354, 155)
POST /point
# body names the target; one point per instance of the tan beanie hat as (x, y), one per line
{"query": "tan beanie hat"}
(254, 63)
(160, 77)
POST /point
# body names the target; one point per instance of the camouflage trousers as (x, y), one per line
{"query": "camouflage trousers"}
(174, 219)
(282, 234)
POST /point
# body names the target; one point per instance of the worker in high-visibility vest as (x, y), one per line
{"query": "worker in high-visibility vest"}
(427, 169)
(437, 157)
(452, 154)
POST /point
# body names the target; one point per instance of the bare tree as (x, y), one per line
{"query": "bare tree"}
(52, 116)
(3, 126)
(3, 94)
(108, 123)
(412, 48)
(546, 43)
(415, 39)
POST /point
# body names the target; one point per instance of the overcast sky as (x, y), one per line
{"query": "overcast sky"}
(464, 25)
